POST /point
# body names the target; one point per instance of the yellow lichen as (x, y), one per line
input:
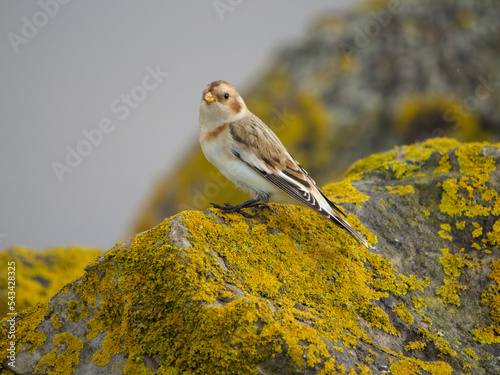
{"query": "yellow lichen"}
(425, 318)
(401, 190)
(419, 302)
(390, 161)
(363, 370)
(331, 368)
(441, 344)
(476, 246)
(449, 292)
(371, 313)
(494, 235)
(111, 345)
(443, 232)
(415, 345)
(471, 353)
(459, 196)
(451, 263)
(470, 160)
(405, 367)
(403, 313)
(491, 298)
(344, 191)
(76, 311)
(411, 282)
(487, 335)
(55, 321)
(58, 362)
(436, 367)
(376, 161)
(411, 366)
(444, 163)
(478, 231)
(401, 169)
(26, 323)
(131, 368)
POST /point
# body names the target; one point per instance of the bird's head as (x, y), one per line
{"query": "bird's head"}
(221, 103)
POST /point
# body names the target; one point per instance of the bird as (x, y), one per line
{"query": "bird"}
(248, 153)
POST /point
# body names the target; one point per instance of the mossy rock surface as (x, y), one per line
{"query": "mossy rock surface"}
(286, 292)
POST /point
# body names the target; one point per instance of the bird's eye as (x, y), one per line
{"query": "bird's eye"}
(226, 95)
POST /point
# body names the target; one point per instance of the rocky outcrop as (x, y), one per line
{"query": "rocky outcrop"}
(396, 72)
(286, 292)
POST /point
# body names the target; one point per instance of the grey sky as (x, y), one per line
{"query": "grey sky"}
(93, 63)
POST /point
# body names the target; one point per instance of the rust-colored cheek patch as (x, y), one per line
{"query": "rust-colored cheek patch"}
(235, 106)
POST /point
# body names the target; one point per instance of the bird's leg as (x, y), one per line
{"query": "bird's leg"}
(228, 208)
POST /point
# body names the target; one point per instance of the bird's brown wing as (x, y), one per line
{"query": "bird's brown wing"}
(258, 146)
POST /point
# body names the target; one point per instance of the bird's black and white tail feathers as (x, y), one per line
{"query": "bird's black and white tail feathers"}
(342, 223)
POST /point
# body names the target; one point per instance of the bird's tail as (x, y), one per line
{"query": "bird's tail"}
(342, 223)
(335, 214)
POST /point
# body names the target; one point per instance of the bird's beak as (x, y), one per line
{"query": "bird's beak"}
(209, 97)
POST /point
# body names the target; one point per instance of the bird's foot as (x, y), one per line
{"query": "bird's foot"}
(252, 203)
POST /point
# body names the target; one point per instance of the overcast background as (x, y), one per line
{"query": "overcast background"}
(63, 76)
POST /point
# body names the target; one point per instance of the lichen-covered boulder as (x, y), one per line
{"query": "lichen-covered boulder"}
(286, 292)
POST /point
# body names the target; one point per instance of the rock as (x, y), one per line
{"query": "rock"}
(286, 292)
(39, 274)
(393, 73)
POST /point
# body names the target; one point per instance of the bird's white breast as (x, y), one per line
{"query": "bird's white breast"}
(218, 153)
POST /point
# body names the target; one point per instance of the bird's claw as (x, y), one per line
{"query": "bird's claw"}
(227, 208)
(260, 205)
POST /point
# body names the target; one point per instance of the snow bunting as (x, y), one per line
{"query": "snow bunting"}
(249, 154)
